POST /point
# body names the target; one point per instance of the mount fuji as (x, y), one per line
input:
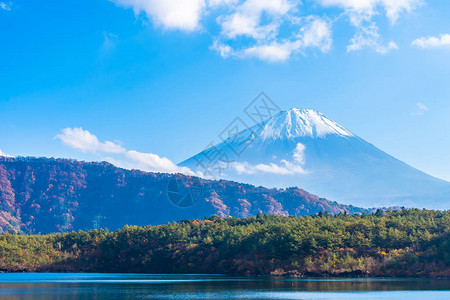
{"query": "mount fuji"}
(304, 148)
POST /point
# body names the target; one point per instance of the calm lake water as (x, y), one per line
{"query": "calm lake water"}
(140, 286)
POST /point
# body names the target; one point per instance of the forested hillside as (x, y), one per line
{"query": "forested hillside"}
(41, 195)
(396, 243)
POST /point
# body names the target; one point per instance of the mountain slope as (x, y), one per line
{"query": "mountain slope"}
(40, 195)
(304, 148)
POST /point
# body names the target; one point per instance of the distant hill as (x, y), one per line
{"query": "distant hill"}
(42, 195)
(302, 147)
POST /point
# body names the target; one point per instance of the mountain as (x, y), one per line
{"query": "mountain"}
(41, 195)
(304, 148)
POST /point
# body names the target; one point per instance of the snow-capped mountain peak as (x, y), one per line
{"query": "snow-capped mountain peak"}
(300, 123)
(302, 147)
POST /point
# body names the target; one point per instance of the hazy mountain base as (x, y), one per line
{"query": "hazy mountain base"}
(411, 243)
(42, 195)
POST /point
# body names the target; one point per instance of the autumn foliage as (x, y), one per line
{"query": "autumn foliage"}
(42, 195)
(396, 243)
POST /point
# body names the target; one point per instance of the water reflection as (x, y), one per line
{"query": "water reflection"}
(140, 286)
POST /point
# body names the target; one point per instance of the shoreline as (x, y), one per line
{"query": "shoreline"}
(306, 277)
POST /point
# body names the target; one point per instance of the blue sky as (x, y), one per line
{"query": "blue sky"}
(162, 78)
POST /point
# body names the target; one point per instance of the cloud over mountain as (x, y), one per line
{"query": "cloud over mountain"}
(83, 140)
(4, 154)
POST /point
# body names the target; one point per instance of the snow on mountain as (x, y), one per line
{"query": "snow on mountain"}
(300, 123)
(304, 148)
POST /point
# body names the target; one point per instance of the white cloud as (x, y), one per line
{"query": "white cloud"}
(224, 50)
(85, 141)
(109, 41)
(368, 37)
(317, 33)
(361, 13)
(283, 168)
(218, 3)
(272, 52)
(433, 42)
(274, 30)
(314, 33)
(299, 153)
(5, 6)
(80, 139)
(392, 8)
(154, 163)
(247, 18)
(420, 109)
(4, 154)
(367, 33)
(395, 7)
(422, 106)
(170, 14)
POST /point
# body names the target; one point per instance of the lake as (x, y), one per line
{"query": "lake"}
(145, 286)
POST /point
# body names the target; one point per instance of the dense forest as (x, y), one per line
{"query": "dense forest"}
(393, 243)
(42, 195)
